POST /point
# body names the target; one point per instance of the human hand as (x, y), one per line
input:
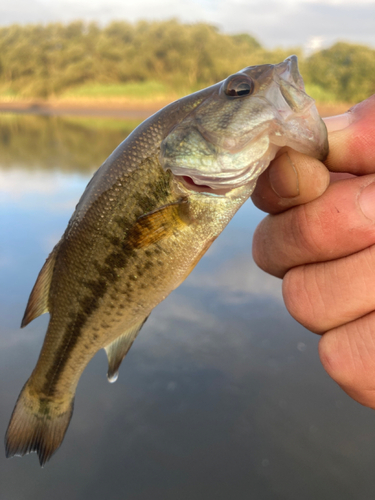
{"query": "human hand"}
(320, 239)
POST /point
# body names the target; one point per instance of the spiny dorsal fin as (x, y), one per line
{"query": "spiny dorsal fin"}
(38, 300)
(117, 350)
(159, 224)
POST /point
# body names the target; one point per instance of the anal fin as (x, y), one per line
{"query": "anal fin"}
(117, 350)
(38, 300)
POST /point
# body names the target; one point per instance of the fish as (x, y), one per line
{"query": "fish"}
(145, 219)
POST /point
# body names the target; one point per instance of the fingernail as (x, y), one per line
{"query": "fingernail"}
(338, 122)
(367, 201)
(283, 177)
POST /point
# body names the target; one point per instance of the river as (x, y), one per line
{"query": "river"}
(222, 395)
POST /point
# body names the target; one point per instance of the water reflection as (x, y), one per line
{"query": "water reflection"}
(221, 396)
(64, 144)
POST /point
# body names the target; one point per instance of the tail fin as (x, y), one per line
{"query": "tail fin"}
(38, 424)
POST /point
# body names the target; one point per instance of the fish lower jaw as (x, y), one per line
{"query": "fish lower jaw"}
(189, 184)
(225, 184)
(218, 188)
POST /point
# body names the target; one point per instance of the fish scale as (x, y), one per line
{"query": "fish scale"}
(146, 218)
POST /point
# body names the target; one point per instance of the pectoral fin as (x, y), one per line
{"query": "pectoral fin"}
(117, 350)
(159, 224)
(38, 300)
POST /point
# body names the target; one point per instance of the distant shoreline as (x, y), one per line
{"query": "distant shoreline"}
(95, 108)
(120, 109)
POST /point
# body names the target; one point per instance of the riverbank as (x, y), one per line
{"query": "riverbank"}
(95, 108)
(121, 108)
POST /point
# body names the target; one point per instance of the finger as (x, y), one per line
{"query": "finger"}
(339, 223)
(352, 139)
(348, 355)
(339, 176)
(290, 180)
(293, 178)
(329, 294)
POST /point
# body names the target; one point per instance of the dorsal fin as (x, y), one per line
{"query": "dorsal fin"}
(38, 300)
(117, 350)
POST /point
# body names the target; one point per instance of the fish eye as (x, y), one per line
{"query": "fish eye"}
(238, 86)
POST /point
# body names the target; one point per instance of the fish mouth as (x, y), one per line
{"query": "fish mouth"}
(229, 170)
(214, 169)
(190, 184)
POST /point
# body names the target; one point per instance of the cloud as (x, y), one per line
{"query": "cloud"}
(17, 182)
(31, 188)
(236, 279)
(288, 23)
(295, 23)
(25, 11)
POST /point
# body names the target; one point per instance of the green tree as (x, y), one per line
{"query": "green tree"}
(47, 60)
(345, 70)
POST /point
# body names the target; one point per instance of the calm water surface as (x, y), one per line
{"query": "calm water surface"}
(222, 395)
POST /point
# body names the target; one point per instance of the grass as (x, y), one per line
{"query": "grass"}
(138, 94)
(7, 93)
(320, 94)
(156, 91)
(150, 90)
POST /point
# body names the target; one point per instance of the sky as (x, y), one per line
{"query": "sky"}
(312, 24)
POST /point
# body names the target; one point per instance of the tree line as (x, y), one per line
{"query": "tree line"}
(47, 60)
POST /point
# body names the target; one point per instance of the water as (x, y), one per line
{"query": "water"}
(221, 396)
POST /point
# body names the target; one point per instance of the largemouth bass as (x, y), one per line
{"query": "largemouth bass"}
(145, 219)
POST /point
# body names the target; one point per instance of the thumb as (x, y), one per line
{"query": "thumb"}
(352, 139)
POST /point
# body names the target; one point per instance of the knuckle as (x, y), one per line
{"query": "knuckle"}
(335, 356)
(347, 355)
(307, 232)
(258, 248)
(303, 298)
(262, 249)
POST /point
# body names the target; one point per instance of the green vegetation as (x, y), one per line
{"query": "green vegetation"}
(143, 90)
(321, 94)
(159, 60)
(344, 70)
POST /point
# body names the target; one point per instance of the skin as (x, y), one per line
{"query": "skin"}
(320, 239)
